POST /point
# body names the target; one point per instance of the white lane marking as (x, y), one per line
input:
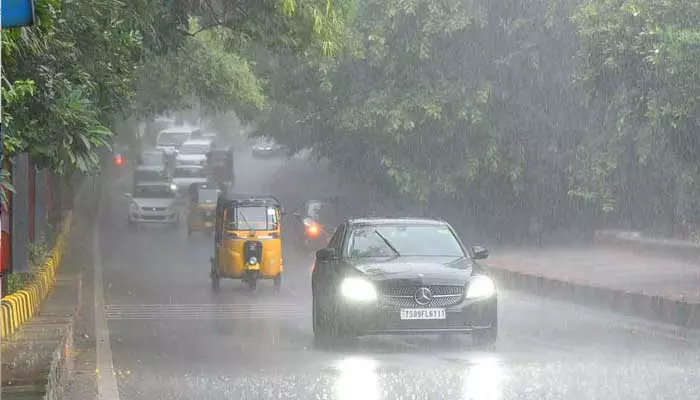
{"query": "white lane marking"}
(204, 311)
(106, 379)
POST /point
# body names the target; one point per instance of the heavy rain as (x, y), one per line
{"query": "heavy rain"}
(351, 199)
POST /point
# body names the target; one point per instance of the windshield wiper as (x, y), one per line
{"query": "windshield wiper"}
(388, 244)
(240, 214)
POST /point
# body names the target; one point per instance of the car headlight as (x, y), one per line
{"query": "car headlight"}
(173, 187)
(358, 289)
(481, 286)
(134, 207)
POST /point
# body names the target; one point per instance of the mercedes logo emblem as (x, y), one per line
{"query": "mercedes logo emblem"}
(423, 296)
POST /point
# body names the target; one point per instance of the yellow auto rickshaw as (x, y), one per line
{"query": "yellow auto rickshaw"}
(248, 240)
(201, 206)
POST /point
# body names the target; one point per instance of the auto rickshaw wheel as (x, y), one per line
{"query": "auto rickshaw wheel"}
(252, 282)
(278, 282)
(215, 281)
(214, 274)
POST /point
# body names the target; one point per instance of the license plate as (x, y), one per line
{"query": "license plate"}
(423, 313)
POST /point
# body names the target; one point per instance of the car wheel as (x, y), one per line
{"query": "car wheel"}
(486, 337)
(278, 282)
(321, 325)
(329, 331)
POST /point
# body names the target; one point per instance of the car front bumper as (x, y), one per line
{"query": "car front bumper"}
(153, 217)
(467, 316)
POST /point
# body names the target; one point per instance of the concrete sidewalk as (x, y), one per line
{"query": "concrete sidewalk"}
(38, 360)
(615, 268)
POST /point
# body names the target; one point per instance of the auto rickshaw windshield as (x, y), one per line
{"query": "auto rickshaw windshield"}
(254, 218)
(207, 196)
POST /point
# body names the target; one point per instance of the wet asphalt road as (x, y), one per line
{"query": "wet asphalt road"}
(173, 338)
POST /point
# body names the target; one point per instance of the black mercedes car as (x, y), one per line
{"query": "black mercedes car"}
(401, 276)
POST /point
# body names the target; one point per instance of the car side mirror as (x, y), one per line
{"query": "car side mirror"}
(479, 253)
(326, 254)
(128, 195)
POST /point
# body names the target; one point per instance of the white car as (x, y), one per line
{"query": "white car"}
(153, 202)
(185, 175)
(170, 139)
(194, 152)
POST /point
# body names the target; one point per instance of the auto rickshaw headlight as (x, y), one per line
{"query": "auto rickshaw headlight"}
(252, 260)
(358, 289)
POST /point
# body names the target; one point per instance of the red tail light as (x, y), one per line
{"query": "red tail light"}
(119, 160)
(313, 229)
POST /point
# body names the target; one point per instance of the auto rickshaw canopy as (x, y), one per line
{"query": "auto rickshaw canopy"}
(220, 164)
(249, 200)
(195, 188)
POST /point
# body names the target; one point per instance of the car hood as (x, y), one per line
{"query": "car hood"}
(145, 203)
(191, 157)
(187, 181)
(167, 148)
(417, 270)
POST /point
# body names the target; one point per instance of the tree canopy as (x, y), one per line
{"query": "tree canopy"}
(86, 65)
(578, 112)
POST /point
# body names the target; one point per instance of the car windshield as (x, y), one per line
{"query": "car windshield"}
(188, 173)
(194, 149)
(153, 192)
(207, 195)
(153, 158)
(149, 175)
(406, 240)
(172, 138)
(255, 218)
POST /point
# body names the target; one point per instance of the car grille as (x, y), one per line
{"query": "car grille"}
(154, 208)
(153, 217)
(403, 296)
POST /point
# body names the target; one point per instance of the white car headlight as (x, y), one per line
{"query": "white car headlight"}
(481, 286)
(358, 289)
(134, 207)
(173, 187)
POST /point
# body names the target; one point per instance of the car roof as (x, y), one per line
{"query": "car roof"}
(153, 183)
(180, 129)
(396, 221)
(197, 141)
(150, 167)
(188, 166)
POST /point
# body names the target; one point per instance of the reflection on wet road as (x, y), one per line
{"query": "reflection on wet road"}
(173, 338)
